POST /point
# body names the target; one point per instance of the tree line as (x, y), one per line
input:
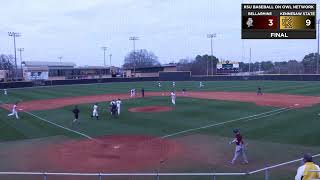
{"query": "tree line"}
(206, 64)
(308, 65)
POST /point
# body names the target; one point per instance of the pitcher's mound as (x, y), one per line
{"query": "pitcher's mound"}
(151, 109)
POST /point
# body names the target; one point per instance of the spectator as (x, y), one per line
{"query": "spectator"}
(304, 173)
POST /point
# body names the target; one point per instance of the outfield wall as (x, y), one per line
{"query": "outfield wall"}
(276, 77)
(70, 82)
(171, 77)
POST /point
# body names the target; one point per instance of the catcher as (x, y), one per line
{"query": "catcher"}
(240, 147)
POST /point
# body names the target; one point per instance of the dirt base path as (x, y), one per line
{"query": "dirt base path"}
(274, 100)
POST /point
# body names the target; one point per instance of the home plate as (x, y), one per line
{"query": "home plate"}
(116, 147)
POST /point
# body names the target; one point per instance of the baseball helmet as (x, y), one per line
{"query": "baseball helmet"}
(236, 131)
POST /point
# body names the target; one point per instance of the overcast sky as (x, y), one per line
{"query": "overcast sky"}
(172, 29)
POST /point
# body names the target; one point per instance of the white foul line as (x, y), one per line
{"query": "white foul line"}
(268, 115)
(226, 122)
(79, 133)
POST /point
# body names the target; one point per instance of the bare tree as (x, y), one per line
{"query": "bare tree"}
(6, 62)
(141, 58)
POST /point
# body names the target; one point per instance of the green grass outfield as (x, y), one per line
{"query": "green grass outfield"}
(295, 128)
(284, 87)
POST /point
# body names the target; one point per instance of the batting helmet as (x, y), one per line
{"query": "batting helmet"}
(236, 131)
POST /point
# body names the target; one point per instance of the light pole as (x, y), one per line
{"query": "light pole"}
(60, 58)
(318, 45)
(250, 62)
(20, 50)
(104, 54)
(110, 55)
(14, 35)
(134, 39)
(211, 36)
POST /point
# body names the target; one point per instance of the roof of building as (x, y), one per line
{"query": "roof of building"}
(153, 67)
(94, 67)
(48, 64)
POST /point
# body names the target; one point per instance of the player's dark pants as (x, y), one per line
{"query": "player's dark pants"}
(114, 112)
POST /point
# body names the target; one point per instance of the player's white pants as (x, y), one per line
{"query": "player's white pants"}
(95, 113)
(240, 151)
(173, 100)
(15, 113)
(118, 110)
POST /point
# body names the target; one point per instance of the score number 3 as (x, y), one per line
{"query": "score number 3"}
(270, 22)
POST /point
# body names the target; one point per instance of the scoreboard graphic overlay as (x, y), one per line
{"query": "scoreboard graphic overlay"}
(279, 21)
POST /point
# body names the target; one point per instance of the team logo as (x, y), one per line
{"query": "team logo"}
(249, 22)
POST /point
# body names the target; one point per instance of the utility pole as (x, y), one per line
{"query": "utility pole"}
(250, 61)
(20, 50)
(60, 58)
(104, 55)
(318, 46)
(211, 36)
(14, 35)
(134, 39)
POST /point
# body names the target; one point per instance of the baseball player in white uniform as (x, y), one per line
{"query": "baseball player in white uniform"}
(173, 98)
(132, 93)
(118, 102)
(173, 84)
(159, 85)
(201, 85)
(14, 111)
(95, 111)
(5, 92)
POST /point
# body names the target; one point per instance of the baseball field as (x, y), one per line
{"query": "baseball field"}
(152, 135)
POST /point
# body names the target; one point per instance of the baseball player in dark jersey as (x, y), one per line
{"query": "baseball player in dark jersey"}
(76, 112)
(240, 147)
(142, 92)
(259, 91)
(113, 108)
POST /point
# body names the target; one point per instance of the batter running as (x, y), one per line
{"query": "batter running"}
(14, 111)
(240, 147)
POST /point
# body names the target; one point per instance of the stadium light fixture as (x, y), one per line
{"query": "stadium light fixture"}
(211, 36)
(14, 35)
(60, 58)
(134, 39)
(104, 48)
